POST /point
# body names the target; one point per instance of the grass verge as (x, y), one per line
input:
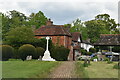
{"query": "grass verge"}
(27, 69)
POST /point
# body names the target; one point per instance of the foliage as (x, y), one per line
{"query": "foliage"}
(27, 50)
(109, 62)
(40, 52)
(92, 50)
(60, 53)
(83, 51)
(89, 53)
(19, 36)
(37, 19)
(94, 58)
(116, 66)
(116, 49)
(106, 59)
(7, 52)
(78, 26)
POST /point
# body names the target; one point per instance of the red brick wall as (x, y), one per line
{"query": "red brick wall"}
(60, 40)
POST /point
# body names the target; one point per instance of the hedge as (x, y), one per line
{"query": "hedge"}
(7, 52)
(40, 52)
(27, 50)
(60, 53)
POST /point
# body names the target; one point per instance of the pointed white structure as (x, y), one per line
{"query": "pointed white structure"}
(47, 56)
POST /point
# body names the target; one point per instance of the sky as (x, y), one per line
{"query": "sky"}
(63, 11)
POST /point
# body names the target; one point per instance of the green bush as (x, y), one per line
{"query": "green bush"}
(59, 53)
(7, 52)
(27, 50)
(83, 51)
(116, 66)
(109, 62)
(106, 59)
(40, 52)
(92, 50)
(94, 58)
(89, 53)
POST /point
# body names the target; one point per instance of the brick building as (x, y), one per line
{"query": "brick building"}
(58, 34)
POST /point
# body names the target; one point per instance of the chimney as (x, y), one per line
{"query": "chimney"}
(49, 22)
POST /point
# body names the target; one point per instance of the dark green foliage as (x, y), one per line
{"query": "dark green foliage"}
(109, 62)
(83, 51)
(116, 66)
(37, 19)
(7, 52)
(92, 50)
(19, 36)
(89, 53)
(60, 53)
(116, 49)
(40, 52)
(27, 50)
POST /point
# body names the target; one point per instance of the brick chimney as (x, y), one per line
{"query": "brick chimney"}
(49, 22)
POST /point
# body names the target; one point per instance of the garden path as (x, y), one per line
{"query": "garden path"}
(65, 70)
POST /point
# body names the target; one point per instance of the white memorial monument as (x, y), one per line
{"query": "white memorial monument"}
(47, 56)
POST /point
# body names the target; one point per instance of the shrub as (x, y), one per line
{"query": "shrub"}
(116, 66)
(94, 58)
(26, 50)
(7, 52)
(109, 62)
(40, 52)
(106, 59)
(83, 51)
(89, 53)
(60, 53)
(92, 50)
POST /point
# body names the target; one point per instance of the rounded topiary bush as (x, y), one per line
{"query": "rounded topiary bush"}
(7, 52)
(27, 50)
(39, 52)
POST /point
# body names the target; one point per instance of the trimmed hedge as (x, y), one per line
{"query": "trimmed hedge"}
(60, 53)
(40, 52)
(92, 50)
(27, 50)
(7, 52)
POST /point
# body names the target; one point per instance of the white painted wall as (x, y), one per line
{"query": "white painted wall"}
(86, 46)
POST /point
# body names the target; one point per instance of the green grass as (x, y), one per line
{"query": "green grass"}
(27, 69)
(97, 70)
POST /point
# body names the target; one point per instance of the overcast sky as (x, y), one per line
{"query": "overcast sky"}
(63, 11)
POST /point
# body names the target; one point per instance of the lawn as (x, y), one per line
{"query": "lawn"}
(97, 70)
(27, 69)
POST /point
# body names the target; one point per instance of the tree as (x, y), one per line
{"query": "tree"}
(78, 26)
(5, 21)
(19, 36)
(94, 28)
(17, 19)
(110, 23)
(37, 19)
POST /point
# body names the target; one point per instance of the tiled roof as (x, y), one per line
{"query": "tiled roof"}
(75, 36)
(52, 30)
(108, 39)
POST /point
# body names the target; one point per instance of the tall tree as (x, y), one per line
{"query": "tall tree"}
(19, 35)
(17, 19)
(78, 26)
(110, 23)
(37, 19)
